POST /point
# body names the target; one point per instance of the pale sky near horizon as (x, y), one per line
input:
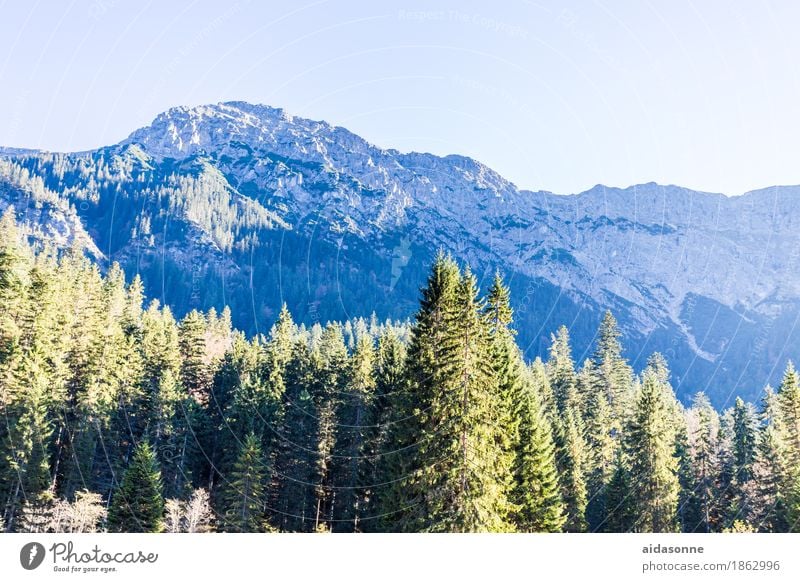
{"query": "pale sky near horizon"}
(554, 95)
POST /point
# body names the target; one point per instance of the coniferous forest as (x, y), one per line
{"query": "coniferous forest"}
(118, 416)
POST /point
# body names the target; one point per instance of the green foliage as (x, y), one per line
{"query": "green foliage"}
(351, 433)
(243, 495)
(138, 505)
(561, 373)
(613, 371)
(296, 470)
(620, 511)
(390, 377)
(601, 444)
(194, 368)
(705, 461)
(571, 457)
(458, 475)
(741, 463)
(789, 413)
(536, 493)
(437, 425)
(650, 450)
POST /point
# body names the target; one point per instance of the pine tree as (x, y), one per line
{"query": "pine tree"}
(561, 372)
(85, 415)
(571, 451)
(105, 384)
(765, 493)
(538, 372)
(330, 382)
(243, 495)
(620, 516)
(568, 425)
(462, 470)
(789, 411)
(390, 379)
(505, 356)
(400, 503)
(600, 446)
(536, 489)
(613, 371)
(743, 456)
(351, 434)
(705, 460)
(138, 505)
(14, 269)
(194, 368)
(689, 511)
(27, 449)
(160, 348)
(467, 490)
(279, 351)
(650, 447)
(247, 392)
(293, 488)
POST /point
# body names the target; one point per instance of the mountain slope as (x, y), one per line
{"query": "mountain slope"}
(249, 206)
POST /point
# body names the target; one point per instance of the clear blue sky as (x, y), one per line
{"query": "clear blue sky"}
(554, 95)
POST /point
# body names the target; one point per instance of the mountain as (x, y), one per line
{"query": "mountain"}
(249, 206)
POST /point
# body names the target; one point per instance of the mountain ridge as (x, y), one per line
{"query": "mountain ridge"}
(230, 199)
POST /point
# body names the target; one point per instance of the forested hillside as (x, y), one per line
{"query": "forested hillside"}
(248, 206)
(116, 416)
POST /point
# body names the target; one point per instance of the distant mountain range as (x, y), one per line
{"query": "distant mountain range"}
(249, 206)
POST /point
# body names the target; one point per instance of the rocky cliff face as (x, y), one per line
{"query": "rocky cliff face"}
(247, 205)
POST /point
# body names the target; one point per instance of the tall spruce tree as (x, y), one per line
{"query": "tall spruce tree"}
(505, 356)
(467, 490)
(704, 440)
(613, 371)
(243, 495)
(536, 493)
(351, 434)
(138, 505)
(650, 448)
(328, 388)
(390, 378)
(406, 450)
(15, 263)
(561, 372)
(789, 411)
(600, 446)
(620, 511)
(195, 374)
(462, 475)
(293, 487)
(568, 430)
(689, 510)
(27, 449)
(766, 494)
(571, 460)
(743, 456)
